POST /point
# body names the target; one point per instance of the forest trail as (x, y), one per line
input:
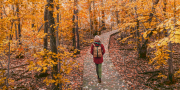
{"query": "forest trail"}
(111, 79)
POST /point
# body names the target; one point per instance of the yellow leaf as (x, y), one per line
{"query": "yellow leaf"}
(146, 33)
(157, 67)
(154, 32)
(38, 69)
(44, 69)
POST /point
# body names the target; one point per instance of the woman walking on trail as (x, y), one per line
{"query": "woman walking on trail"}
(97, 50)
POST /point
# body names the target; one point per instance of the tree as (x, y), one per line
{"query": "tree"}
(170, 70)
(19, 24)
(46, 25)
(52, 39)
(90, 16)
(75, 28)
(103, 16)
(143, 48)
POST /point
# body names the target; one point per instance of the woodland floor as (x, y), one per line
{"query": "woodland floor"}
(124, 59)
(130, 67)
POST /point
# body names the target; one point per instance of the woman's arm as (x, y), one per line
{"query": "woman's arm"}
(91, 49)
(102, 47)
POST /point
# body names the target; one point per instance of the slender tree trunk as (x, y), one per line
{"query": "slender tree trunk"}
(1, 7)
(93, 18)
(19, 24)
(137, 31)
(74, 41)
(117, 17)
(142, 54)
(90, 21)
(99, 29)
(46, 26)
(61, 38)
(1, 15)
(33, 16)
(16, 32)
(76, 25)
(95, 26)
(111, 19)
(53, 41)
(57, 44)
(112, 22)
(57, 38)
(170, 72)
(8, 67)
(103, 16)
(164, 9)
(9, 56)
(75, 28)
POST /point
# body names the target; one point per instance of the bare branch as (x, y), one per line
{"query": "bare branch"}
(4, 11)
(14, 67)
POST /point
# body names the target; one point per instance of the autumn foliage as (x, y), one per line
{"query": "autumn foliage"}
(28, 34)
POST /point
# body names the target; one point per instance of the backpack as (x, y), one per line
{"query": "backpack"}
(97, 52)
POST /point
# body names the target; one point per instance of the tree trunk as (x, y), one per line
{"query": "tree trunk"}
(19, 25)
(170, 71)
(99, 29)
(16, 32)
(143, 49)
(74, 41)
(112, 22)
(103, 17)
(57, 38)
(95, 27)
(117, 17)
(33, 16)
(46, 26)
(90, 21)
(52, 41)
(1, 8)
(137, 32)
(9, 56)
(8, 66)
(75, 16)
(57, 44)
(164, 9)
(93, 18)
(77, 27)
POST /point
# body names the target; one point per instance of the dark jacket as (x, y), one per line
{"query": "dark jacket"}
(98, 60)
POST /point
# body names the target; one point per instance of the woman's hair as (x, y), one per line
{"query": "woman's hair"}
(96, 38)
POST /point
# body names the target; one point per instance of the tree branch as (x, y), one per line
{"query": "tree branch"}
(1, 65)
(157, 71)
(40, 27)
(4, 11)
(14, 67)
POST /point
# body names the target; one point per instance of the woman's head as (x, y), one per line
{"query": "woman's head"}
(96, 38)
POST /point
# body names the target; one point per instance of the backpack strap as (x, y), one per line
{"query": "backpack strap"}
(93, 44)
(96, 46)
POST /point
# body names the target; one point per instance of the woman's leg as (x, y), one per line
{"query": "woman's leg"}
(100, 70)
(97, 70)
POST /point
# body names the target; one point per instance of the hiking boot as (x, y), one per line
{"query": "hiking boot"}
(99, 80)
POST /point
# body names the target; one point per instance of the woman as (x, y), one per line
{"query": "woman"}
(98, 60)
